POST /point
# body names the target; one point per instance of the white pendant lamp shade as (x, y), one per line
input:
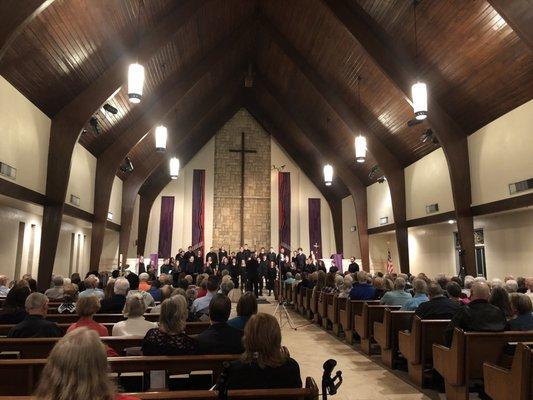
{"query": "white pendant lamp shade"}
(174, 168)
(420, 100)
(135, 82)
(360, 149)
(160, 138)
(328, 174)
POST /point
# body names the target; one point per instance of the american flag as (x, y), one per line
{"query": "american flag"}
(390, 267)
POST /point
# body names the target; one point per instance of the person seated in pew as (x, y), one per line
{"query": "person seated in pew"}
(169, 339)
(454, 293)
(143, 282)
(220, 337)
(379, 285)
(439, 306)
(264, 363)
(77, 369)
(347, 283)
(70, 294)
(133, 279)
(4, 290)
(522, 310)
(116, 303)
(86, 307)
(246, 307)
(500, 298)
(91, 288)
(398, 296)
(362, 290)
(14, 310)
(56, 291)
(289, 280)
(135, 324)
(420, 295)
(477, 316)
(155, 289)
(200, 306)
(35, 324)
(166, 292)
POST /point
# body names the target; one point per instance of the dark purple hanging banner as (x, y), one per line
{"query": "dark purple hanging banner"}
(166, 222)
(284, 205)
(315, 227)
(198, 206)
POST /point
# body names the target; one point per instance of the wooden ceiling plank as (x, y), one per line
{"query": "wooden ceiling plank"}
(519, 15)
(397, 65)
(68, 123)
(387, 161)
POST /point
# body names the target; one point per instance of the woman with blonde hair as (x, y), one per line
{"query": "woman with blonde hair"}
(77, 369)
(135, 324)
(264, 363)
(169, 339)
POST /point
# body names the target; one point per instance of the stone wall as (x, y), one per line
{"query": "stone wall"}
(226, 219)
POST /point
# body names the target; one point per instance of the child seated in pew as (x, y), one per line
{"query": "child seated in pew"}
(77, 369)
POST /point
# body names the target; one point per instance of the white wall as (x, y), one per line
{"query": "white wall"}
(82, 178)
(350, 240)
(115, 202)
(427, 181)
(109, 258)
(379, 204)
(302, 189)
(132, 247)
(501, 153)
(379, 245)
(25, 137)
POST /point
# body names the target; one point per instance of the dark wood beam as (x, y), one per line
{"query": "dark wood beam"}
(387, 161)
(15, 17)
(519, 15)
(68, 123)
(397, 65)
(164, 101)
(431, 219)
(342, 169)
(512, 203)
(382, 229)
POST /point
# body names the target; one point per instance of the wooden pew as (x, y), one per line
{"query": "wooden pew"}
(20, 377)
(347, 311)
(276, 289)
(309, 392)
(313, 305)
(332, 315)
(307, 294)
(192, 328)
(294, 297)
(386, 334)
(511, 384)
(322, 309)
(300, 301)
(101, 318)
(417, 346)
(364, 323)
(463, 361)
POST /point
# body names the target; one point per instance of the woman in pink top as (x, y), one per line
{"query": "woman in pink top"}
(86, 307)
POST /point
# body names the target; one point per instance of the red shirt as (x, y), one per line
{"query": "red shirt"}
(201, 293)
(89, 323)
(122, 397)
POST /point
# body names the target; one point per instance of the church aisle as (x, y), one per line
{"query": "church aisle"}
(364, 379)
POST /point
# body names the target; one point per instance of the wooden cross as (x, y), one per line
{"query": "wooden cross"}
(243, 150)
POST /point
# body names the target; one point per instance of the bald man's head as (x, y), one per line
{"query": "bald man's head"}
(480, 290)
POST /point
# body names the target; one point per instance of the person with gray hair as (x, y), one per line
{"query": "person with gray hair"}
(135, 324)
(56, 291)
(115, 304)
(398, 296)
(4, 290)
(91, 288)
(35, 324)
(362, 290)
(511, 286)
(420, 295)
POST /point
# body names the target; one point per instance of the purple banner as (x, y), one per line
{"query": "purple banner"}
(284, 206)
(338, 261)
(166, 222)
(198, 205)
(315, 227)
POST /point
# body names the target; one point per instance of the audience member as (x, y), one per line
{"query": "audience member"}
(70, 294)
(438, 306)
(220, 337)
(455, 293)
(289, 280)
(86, 307)
(166, 292)
(362, 290)
(56, 291)
(246, 307)
(511, 286)
(32, 283)
(529, 286)
(91, 288)
(346, 287)
(135, 324)
(420, 295)
(201, 305)
(133, 279)
(14, 309)
(35, 324)
(468, 282)
(398, 296)
(522, 309)
(4, 290)
(500, 298)
(478, 315)
(116, 303)
(143, 282)
(155, 290)
(169, 338)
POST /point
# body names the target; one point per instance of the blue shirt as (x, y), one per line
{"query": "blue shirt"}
(92, 292)
(524, 322)
(202, 304)
(396, 298)
(413, 304)
(363, 291)
(238, 322)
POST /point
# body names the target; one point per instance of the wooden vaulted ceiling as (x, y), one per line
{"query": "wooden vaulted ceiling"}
(476, 65)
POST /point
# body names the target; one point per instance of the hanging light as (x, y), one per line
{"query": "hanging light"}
(328, 174)
(135, 82)
(174, 168)
(419, 91)
(160, 138)
(360, 149)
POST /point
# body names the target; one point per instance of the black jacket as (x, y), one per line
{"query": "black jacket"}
(300, 261)
(114, 305)
(251, 376)
(252, 269)
(439, 307)
(478, 316)
(214, 257)
(35, 326)
(271, 256)
(353, 268)
(220, 338)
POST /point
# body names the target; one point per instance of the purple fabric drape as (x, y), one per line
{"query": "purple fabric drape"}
(198, 205)
(338, 261)
(284, 205)
(315, 227)
(166, 226)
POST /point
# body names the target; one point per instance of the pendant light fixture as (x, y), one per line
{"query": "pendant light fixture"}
(160, 138)
(419, 92)
(360, 140)
(174, 167)
(328, 174)
(136, 70)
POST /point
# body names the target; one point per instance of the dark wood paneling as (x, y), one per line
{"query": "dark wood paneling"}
(11, 189)
(431, 219)
(381, 229)
(512, 203)
(519, 15)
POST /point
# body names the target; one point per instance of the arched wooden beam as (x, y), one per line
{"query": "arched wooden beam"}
(15, 17)
(163, 102)
(342, 169)
(398, 66)
(68, 123)
(387, 161)
(519, 15)
(185, 150)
